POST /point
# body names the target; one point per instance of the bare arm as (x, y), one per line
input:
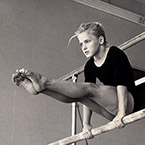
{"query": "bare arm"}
(122, 99)
(87, 113)
(122, 104)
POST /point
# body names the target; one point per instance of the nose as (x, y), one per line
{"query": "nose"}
(84, 47)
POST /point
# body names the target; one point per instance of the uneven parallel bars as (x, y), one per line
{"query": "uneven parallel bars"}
(123, 46)
(105, 128)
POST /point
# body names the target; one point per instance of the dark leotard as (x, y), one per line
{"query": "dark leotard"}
(116, 70)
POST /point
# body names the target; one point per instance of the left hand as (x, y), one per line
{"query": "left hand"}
(118, 120)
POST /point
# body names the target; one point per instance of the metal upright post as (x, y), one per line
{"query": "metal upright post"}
(74, 111)
(74, 120)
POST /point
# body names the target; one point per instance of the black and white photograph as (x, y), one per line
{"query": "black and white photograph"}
(72, 72)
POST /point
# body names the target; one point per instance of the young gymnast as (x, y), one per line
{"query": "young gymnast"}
(109, 86)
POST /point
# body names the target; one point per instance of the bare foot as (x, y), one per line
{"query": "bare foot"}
(32, 82)
(39, 81)
(23, 82)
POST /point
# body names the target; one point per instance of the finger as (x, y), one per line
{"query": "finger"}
(122, 120)
(122, 124)
(118, 124)
(88, 135)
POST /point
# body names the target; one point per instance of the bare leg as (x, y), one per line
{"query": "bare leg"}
(106, 96)
(60, 97)
(86, 101)
(41, 83)
(97, 108)
(101, 99)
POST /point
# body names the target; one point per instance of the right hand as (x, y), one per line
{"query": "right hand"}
(87, 131)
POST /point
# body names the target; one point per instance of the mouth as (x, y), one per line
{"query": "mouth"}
(86, 52)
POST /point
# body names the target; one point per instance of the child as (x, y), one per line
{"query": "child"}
(108, 89)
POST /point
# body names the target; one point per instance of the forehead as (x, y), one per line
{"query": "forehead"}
(85, 35)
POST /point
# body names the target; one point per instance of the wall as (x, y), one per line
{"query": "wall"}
(34, 35)
(136, 6)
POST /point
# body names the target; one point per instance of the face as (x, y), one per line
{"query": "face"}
(89, 44)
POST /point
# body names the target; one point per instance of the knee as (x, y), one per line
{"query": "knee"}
(89, 87)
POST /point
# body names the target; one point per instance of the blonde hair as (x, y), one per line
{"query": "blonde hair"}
(94, 28)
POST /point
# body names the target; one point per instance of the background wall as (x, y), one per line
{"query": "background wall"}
(34, 35)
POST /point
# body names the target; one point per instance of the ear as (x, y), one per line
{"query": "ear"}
(101, 40)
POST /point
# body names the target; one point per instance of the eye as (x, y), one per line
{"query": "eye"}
(80, 44)
(87, 41)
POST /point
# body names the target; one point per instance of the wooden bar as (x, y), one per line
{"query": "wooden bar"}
(105, 128)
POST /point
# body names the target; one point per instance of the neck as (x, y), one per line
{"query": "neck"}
(102, 52)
